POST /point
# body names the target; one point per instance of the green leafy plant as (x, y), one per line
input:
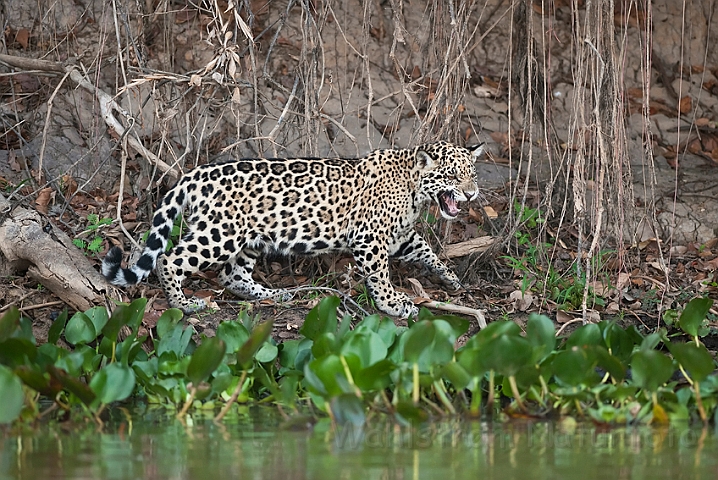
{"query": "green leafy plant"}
(92, 242)
(601, 371)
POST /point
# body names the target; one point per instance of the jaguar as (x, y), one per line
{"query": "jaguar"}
(237, 210)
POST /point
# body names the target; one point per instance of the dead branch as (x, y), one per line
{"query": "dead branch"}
(107, 104)
(460, 309)
(475, 245)
(29, 242)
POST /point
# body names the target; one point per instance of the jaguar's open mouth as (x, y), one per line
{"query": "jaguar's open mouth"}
(448, 204)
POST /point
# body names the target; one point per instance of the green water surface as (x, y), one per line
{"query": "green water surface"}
(259, 444)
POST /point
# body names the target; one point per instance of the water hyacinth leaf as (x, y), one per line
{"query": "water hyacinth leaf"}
(650, 369)
(610, 363)
(267, 353)
(493, 331)
(9, 322)
(205, 359)
(167, 321)
(130, 315)
(618, 341)
(418, 339)
(693, 315)
(98, 317)
(288, 353)
(506, 354)
(322, 375)
(588, 334)
(368, 346)
(374, 378)
(176, 341)
(650, 341)
(136, 312)
(575, 366)
(457, 375)
(35, 377)
(53, 335)
(80, 329)
(12, 397)
(541, 334)
(234, 335)
(256, 339)
(348, 408)
(17, 351)
(695, 359)
(325, 344)
(527, 376)
(321, 319)
(113, 383)
(472, 361)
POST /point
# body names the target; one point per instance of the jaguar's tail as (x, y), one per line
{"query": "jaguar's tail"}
(169, 209)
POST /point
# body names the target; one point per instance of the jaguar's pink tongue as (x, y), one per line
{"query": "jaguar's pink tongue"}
(451, 205)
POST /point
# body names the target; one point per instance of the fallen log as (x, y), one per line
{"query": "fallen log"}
(30, 243)
(479, 244)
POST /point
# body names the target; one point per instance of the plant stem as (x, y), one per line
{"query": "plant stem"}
(699, 402)
(515, 391)
(232, 399)
(185, 407)
(415, 386)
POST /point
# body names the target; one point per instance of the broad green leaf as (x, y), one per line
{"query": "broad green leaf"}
(367, 345)
(618, 341)
(130, 315)
(472, 361)
(321, 319)
(12, 397)
(53, 335)
(376, 377)
(113, 383)
(506, 354)
(541, 334)
(35, 377)
(693, 315)
(575, 366)
(17, 351)
(325, 344)
(323, 375)
(257, 337)
(234, 335)
(418, 338)
(650, 369)
(80, 329)
(610, 363)
(694, 358)
(167, 321)
(98, 317)
(457, 375)
(9, 322)
(176, 341)
(267, 353)
(205, 359)
(588, 334)
(493, 331)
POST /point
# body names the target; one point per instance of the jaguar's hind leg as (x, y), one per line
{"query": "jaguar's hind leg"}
(236, 275)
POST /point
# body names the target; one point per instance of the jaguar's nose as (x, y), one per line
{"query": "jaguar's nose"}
(471, 194)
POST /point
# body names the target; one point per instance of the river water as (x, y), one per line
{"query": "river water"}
(259, 443)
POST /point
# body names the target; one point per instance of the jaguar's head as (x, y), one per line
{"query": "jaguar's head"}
(448, 175)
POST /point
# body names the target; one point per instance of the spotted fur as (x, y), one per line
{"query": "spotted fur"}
(239, 209)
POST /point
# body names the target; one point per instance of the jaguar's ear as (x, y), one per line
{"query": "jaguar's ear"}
(424, 161)
(477, 150)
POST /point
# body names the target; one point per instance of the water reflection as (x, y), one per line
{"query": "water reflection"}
(256, 444)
